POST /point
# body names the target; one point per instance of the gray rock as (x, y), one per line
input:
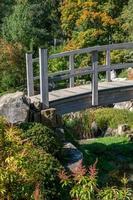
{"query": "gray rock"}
(60, 133)
(94, 129)
(73, 155)
(123, 129)
(130, 137)
(128, 105)
(109, 132)
(49, 117)
(14, 108)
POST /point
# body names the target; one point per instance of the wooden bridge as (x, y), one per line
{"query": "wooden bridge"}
(76, 98)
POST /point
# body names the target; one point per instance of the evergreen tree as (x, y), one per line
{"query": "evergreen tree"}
(32, 23)
(5, 9)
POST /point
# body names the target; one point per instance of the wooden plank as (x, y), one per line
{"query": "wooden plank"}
(95, 48)
(71, 68)
(30, 80)
(108, 72)
(59, 73)
(81, 102)
(78, 98)
(77, 72)
(94, 79)
(121, 66)
(85, 89)
(54, 74)
(43, 61)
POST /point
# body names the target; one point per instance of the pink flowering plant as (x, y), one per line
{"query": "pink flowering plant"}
(82, 184)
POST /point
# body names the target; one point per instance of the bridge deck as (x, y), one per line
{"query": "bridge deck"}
(80, 97)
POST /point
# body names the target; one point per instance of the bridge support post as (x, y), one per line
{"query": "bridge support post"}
(30, 80)
(108, 72)
(71, 68)
(43, 62)
(94, 78)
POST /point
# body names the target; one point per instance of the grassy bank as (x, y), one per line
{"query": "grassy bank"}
(114, 156)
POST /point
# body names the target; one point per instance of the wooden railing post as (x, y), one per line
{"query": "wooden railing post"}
(43, 61)
(29, 70)
(94, 78)
(108, 72)
(71, 68)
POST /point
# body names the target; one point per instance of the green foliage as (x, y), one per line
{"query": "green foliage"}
(83, 185)
(114, 158)
(80, 123)
(110, 193)
(82, 182)
(32, 23)
(75, 24)
(41, 136)
(88, 23)
(12, 65)
(112, 117)
(127, 22)
(58, 64)
(26, 171)
(5, 9)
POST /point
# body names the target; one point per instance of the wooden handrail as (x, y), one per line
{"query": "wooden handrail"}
(71, 73)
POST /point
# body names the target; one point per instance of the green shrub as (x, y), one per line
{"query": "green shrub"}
(80, 123)
(25, 170)
(41, 136)
(113, 117)
(12, 65)
(82, 184)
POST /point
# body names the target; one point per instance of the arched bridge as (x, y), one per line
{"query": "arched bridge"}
(75, 98)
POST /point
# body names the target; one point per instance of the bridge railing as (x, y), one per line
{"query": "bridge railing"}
(71, 73)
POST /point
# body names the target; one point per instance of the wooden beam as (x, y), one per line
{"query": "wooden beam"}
(71, 68)
(108, 72)
(128, 45)
(44, 93)
(30, 79)
(95, 79)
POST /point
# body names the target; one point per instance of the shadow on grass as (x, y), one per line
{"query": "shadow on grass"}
(114, 160)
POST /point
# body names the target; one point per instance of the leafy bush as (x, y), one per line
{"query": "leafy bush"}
(26, 171)
(80, 123)
(12, 65)
(113, 117)
(83, 185)
(41, 136)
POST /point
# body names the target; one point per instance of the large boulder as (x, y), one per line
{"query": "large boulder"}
(14, 108)
(128, 105)
(73, 156)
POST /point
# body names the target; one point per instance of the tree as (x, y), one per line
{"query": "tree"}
(32, 23)
(5, 9)
(90, 22)
(127, 20)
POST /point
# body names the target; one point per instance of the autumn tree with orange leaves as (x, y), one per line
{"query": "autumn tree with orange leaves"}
(88, 23)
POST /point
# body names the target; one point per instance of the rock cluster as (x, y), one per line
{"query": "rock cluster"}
(16, 108)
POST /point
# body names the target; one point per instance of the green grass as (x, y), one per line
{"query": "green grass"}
(114, 156)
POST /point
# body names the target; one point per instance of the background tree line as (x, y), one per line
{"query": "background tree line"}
(27, 24)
